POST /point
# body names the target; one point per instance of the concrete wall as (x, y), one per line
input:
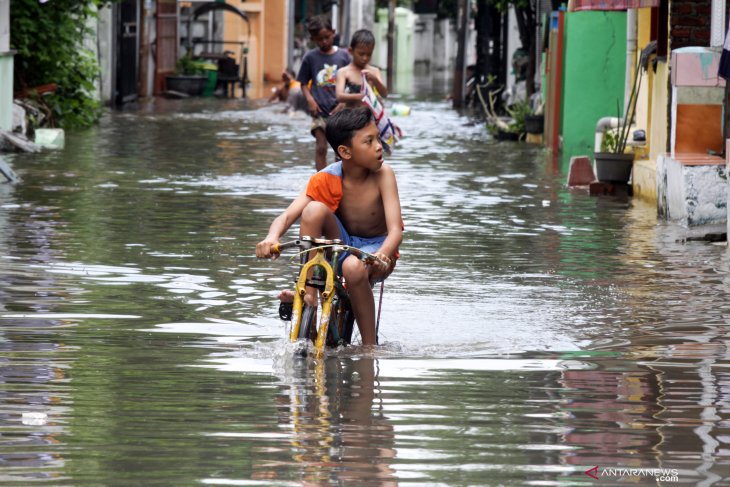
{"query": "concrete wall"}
(513, 43)
(424, 39)
(405, 23)
(420, 40)
(595, 58)
(268, 44)
(361, 16)
(645, 170)
(651, 115)
(444, 52)
(103, 45)
(691, 190)
(6, 68)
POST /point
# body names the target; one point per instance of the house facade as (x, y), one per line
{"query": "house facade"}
(657, 60)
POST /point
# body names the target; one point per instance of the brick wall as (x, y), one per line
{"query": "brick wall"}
(689, 23)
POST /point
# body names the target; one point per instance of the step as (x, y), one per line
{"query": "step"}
(692, 188)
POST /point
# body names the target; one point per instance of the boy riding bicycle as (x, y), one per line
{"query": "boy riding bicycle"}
(354, 200)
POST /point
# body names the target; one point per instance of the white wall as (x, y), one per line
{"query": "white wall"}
(424, 39)
(4, 25)
(104, 43)
(362, 15)
(6, 68)
(513, 43)
(444, 45)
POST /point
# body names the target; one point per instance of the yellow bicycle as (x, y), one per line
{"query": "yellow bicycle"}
(319, 269)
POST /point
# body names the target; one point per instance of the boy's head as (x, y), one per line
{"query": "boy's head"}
(321, 32)
(352, 133)
(287, 75)
(361, 47)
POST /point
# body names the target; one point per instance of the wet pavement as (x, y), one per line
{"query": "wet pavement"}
(530, 332)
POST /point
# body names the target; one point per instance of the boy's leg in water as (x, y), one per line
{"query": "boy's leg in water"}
(361, 297)
(316, 221)
(320, 149)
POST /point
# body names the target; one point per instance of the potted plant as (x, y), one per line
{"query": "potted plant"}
(535, 121)
(612, 163)
(189, 77)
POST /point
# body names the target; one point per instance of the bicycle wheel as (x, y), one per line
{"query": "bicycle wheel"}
(308, 327)
(341, 322)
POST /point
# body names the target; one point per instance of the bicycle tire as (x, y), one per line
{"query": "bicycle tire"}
(307, 328)
(341, 321)
(349, 325)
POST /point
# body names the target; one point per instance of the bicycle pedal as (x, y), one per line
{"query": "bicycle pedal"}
(285, 311)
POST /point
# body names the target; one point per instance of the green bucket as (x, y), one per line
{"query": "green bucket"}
(212, 72)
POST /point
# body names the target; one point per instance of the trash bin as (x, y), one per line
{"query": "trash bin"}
(212, 71)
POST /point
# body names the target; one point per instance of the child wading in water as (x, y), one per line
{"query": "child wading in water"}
(320, 66)
(355, 200)
(360, 83)
(349, 78)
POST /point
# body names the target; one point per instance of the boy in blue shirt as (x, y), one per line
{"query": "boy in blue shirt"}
(319, 66)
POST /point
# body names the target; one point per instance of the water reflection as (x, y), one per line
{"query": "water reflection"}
(339, 433)
(530, 332)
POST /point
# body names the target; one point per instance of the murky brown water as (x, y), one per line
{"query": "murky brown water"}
(530, 332)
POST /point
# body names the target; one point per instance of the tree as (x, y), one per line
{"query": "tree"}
(49, 38)
(526, 15)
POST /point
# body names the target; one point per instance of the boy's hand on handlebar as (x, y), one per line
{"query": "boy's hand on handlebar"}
(382, 263)
(267, 249)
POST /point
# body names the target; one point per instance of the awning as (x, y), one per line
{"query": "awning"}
(579, 5)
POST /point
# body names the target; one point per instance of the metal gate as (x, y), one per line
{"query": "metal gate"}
(127, 48)
(166, 44)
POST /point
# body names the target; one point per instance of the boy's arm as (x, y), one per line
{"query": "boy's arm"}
(281, 224)
(314, 108)
(391, 204)
(304, 77)
(340, 94)
(373, 76)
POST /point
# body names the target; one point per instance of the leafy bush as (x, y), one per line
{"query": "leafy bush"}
(519, 111)
(49, 40)
(610, 142)
(186, 65)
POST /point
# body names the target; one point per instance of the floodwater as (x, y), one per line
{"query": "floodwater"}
(529, 333)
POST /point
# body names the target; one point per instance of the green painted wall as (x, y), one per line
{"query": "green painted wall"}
(6, 91)
(594, 73)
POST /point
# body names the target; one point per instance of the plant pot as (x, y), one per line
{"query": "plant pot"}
(190, 84)
(613, 168)
(534, 124)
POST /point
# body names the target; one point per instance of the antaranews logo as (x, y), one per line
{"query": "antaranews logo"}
(659, 474)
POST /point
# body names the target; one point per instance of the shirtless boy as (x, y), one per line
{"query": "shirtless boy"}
(355, 200)
(349, 78)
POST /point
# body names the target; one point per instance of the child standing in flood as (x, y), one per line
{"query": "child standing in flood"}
(349, 78)
(320, 66)
(359, 83)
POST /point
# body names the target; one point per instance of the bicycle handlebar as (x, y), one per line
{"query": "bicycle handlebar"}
(306, 244)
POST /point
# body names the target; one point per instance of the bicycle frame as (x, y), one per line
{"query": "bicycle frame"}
(331, 284)
(327, 296)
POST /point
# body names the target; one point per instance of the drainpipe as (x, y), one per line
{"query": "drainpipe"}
(603, 124)
(631, 42)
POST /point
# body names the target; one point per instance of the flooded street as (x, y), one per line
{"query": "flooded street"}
(529, 333)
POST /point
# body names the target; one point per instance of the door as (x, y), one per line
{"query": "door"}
(127, 48)
(166, 44)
